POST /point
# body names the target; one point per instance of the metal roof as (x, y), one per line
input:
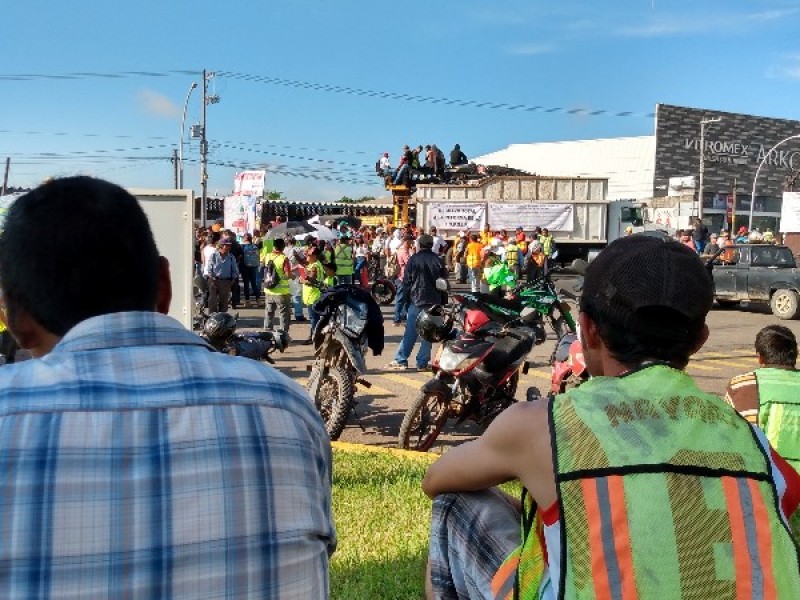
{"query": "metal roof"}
(627, 162)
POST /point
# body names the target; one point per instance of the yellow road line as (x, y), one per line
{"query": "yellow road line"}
(538, 373)
(403, 380)
(735, 363)
(375, 390)
(694, 365)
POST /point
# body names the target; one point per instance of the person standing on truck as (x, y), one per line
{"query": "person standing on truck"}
(637, 484)
(457, 157)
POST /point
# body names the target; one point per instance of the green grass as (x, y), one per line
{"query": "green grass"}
(382, 520)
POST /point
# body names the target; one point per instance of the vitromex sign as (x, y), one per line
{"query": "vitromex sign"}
(737, 153)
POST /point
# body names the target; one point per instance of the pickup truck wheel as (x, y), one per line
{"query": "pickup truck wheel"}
(784, 304)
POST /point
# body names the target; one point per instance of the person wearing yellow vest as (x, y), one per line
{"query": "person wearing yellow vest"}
(343, 257)
(512, 256)
(770, 395)
(637, 483)
(546, 240)
(314, 273)
(279, 298)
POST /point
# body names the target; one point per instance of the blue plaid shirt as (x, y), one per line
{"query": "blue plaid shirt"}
(135, 463)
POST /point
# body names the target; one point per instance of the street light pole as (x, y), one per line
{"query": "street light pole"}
(758, 170)
(183, 128)
(703, 123)
(204, 145)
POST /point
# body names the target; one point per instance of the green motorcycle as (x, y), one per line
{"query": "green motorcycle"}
(542, 295)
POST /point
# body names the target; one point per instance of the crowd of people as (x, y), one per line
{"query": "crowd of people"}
(701, 240)
(140, 464)
(428, 160)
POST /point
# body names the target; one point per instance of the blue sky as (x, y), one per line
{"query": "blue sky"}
(315, 91)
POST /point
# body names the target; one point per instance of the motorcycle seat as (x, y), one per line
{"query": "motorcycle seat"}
(507, 350)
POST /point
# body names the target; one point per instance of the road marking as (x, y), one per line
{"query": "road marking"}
(402, 379)
(538, 373)
(735, 363)
(375, 390)
(694, 365)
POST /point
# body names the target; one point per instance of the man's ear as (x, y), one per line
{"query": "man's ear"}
(590, 334)
(164, 296)
(702, 339)
(30, 335)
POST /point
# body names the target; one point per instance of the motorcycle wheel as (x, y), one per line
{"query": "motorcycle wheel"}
(333, 400)
(383, 291)
(423, 422)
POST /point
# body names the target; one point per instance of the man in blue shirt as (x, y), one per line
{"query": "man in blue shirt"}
(137, 462)
(222, 272)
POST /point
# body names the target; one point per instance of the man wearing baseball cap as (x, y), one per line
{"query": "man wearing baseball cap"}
(637, 483)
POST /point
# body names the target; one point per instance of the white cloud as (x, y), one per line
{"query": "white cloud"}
(789, 69)
(530, 49)
(157, 104)
(693, 24)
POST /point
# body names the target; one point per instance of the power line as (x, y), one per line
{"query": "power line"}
(322, 87)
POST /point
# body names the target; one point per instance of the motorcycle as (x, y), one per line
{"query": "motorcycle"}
(219, 330)
(476, 372)
(340, 341)
(569, 365)
(383, 289)
(543, 295)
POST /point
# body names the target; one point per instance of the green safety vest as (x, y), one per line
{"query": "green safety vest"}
(282, 289)
(311, 293)
(664, 492)
(779, 410)
(512, 255)
(547, 244)
(344, 259)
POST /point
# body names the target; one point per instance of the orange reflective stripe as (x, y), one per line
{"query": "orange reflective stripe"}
(763, 540)
(741, 556)
(622, 536)
(602, 588)
(500, 581)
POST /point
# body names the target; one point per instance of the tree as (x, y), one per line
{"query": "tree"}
(273, 195)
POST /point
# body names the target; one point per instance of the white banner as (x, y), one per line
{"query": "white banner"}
(456, 216)
(249, 183)
(240, 214)
(509, 216)
(790, 212)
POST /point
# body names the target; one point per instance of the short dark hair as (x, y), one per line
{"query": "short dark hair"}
(279, 244)
(776, 345)
(70, 273)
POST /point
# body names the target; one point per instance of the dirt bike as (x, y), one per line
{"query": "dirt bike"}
(219, 330)
(543, 295)
(476, 371)
(340, 344)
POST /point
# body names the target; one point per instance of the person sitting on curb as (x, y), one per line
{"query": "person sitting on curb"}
(636, 483)
(770, 395)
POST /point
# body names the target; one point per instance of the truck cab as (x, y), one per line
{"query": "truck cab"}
(757, 273)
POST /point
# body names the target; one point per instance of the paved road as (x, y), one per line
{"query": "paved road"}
(380, 409)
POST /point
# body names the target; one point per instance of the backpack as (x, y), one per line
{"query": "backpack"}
(250, 255)
(392, 268)
(271, 276)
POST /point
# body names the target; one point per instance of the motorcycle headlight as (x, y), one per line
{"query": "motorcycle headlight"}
(453, 361)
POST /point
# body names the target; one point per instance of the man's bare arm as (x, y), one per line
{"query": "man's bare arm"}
(515, 446)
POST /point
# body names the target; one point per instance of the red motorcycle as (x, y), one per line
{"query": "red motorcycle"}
(476, 371)
(569, 366)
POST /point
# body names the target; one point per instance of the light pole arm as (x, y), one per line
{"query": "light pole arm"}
(183, 128)
(758, 170)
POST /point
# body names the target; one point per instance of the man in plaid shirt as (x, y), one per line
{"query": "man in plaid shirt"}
(136, 462)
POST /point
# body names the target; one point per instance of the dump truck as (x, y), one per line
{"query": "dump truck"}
(575, 210)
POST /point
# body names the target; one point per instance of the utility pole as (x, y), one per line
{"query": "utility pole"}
(212, 99)
(176, 166)
(703, 123)
(204, 155)
(5, 176)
